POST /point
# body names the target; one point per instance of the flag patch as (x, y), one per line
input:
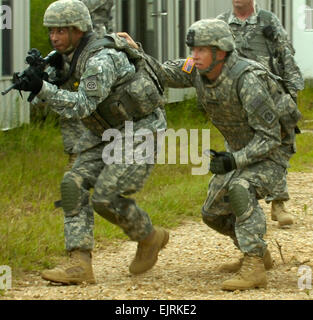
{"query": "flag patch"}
(189, 65)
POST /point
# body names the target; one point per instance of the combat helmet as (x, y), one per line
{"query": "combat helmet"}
(68, 13)
(211, 32)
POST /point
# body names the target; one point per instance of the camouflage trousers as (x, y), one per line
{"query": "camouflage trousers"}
(112, 184)
(281, 193)
(247, 231)
(71, 131)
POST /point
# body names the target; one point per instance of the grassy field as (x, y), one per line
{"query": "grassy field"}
(32, 164)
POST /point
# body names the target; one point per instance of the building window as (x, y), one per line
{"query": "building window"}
(7, 37)
(309, 15)
(182, 29)
(125, 16)
(283, 12)
(197, 10)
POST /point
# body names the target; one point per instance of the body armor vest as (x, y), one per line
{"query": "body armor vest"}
(131, 99)
(222, 104)
(253, 43)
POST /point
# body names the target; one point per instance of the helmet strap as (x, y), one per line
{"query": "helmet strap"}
(71, 48)
(214, 63)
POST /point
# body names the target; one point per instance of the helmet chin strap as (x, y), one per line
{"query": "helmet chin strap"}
(214, 63)
(70, 48)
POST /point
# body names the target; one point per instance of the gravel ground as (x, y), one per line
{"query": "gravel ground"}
(187, 268)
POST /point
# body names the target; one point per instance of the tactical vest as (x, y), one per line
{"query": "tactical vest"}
(131, 99)
(223, 104)
(257, 45)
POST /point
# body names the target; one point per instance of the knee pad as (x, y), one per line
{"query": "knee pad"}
(224, 224)
(240, 199)
(71, 192)
(105, 210)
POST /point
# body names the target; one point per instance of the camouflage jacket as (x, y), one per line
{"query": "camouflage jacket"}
(96, 75)
(247, 118)
(271, 48)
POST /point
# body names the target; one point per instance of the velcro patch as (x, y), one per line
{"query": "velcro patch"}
(91, 84)
(269, 117)
(188, 66)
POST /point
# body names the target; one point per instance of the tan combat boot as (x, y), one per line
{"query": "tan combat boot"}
(78, 270)
(251, 275)
(280, 214)
(148, 250)
(236, 265)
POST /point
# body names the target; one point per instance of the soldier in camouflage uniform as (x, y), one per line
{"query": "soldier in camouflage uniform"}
(107, 90)
(101, 12)
(261, 37)
(257, 119)
(102, 19)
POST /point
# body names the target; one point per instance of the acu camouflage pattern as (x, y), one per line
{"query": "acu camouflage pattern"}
(111, 183)
(133, 99)
(249, 120)
(68, 13)
(102, 12)
(101, 16)
(97, 72)
(71, 129)
(251, 43)
(210, 32)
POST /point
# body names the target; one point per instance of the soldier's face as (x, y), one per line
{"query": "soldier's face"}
(202, 57)
(64, 38)
(240, 4)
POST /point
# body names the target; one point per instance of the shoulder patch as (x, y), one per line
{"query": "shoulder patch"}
(91, 84)
(188, 65)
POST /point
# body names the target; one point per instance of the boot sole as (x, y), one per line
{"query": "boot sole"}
(234, 288)
(67, 281)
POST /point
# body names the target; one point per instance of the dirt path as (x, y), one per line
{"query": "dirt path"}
(187, 267)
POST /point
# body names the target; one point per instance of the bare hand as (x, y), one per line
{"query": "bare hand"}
(129, 39)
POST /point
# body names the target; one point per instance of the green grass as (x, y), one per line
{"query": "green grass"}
(32, 164)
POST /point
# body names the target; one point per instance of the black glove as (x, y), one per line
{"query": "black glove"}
(32, 81)
(222, 162)
(56, 61)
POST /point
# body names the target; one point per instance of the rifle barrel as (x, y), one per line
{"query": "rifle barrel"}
(8, 90)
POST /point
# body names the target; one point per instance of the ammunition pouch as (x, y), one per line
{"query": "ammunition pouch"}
(130, 101)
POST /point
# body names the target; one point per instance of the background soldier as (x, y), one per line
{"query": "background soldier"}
(247, 105)
(106, 91)
(261, 37)
(101, 12)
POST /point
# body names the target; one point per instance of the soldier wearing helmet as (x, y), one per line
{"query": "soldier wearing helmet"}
(105, 84)
(99, 17)
(260, 36)
(69, 23)
(248, 106)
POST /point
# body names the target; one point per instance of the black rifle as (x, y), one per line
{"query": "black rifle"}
(37, 62)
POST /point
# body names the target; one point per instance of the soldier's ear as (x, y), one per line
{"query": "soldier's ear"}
(78, 32)
(220, 54)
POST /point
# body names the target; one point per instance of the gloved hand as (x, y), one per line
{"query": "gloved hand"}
(222, 162)
(31, 81)
(56, 61)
